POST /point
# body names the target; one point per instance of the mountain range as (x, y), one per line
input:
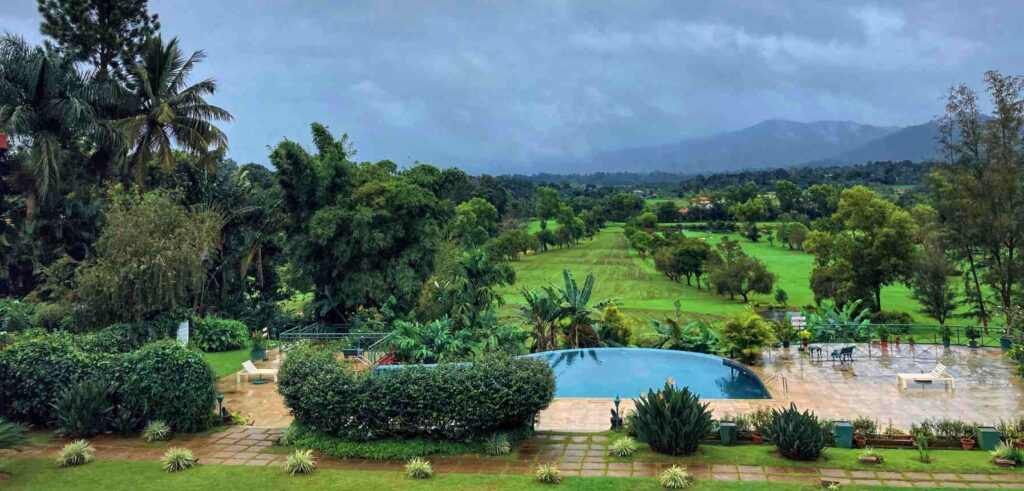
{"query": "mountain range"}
(776, 143)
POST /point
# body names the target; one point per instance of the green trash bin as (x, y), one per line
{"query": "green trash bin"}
(988, 438)
(843, 433)
(727, 431)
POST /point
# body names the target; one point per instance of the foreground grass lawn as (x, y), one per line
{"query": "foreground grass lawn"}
(227, 362)
(113, 475)
(944, 461)
(646, 294)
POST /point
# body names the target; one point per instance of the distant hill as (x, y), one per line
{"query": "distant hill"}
(917, 143)
(769, 143)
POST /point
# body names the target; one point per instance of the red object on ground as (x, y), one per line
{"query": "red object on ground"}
(3, 141)
(387, 359)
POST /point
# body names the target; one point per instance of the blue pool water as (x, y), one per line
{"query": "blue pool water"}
(629, 372)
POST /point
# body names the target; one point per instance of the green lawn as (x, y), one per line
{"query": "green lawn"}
(111, 475)
(645, 293)
(227, 362)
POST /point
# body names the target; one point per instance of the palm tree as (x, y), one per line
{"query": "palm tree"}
(49, 107)
(577, 309)
(542, 311)
(163, 108)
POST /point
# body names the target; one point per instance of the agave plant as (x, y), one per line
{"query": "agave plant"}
(672, 421)
(798, 436)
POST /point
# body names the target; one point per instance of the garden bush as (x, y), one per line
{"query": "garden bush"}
(418, 468)
(78, 452)
(12, 435)
(215, 335)
(83, 409)
(675, 477)
(456, 401)
(15, 315)
(394, 449)
(672, 421)
(172, 383)
(799, 436)
(547, 474)
(300, 462)
(156, 431)
(178, 459)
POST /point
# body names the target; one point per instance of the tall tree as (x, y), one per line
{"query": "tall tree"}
(732, 272)
(163, 110)
(109, 34)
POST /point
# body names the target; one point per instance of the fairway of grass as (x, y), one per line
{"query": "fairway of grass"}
(646, 294)
(116, 475)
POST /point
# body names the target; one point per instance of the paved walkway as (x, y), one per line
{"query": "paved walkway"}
(575, 455)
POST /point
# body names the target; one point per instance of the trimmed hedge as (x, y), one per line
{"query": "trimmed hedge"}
(163, 380)
(215, 335)
(171, 383)
(454, 401)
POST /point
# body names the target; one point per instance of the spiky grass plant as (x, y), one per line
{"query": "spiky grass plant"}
(418, 468)
(156, 431)
(178, 459)
(623, 447)
(548, 474)
(497, 444)
(799, 436)
(675, 477)
(672, 420)
(78, 452)
(12, 435)
(300, 462)
(288, 436)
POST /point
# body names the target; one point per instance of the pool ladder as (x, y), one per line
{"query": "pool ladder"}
(776, 378)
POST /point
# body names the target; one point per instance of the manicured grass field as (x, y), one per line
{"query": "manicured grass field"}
(115, 475)
(646, 294)
(227, 362)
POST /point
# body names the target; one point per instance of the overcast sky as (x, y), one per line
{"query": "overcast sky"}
(499, 85)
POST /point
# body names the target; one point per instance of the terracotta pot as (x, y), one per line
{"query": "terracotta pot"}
(758, 439)
(869, 459)
(967, 443)
(884, 345)
(860, 441)
(1004, 462)
(1018, 444)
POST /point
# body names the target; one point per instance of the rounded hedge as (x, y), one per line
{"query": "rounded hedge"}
(170, 382)
(215, 335)
(35, 370)
(445, 401)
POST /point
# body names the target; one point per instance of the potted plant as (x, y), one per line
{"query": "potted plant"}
(758, 439)
(883, 336)
(911, 341)
(784, 331)
(859, 440)
(805, 338)
(967, 443)
(869, 456)
(972, 335)
(947, 335)
(258, 351)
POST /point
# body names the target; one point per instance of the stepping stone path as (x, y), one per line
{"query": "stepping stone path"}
(575, 455)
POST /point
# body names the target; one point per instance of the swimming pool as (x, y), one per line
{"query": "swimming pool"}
(629, 372)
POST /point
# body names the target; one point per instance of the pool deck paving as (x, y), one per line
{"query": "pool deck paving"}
(575, 455)
(987, 389)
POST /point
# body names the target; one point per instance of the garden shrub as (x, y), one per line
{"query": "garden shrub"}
(497, 444)
(214, 335)
(78, 452)
(799, 436)
(15, 315)
(300, 462)
(457, 401)
(623, 447)
(156, 431)
(178, 459)
(675, 477)
(172, 383)
(547, 474)
(672, 421)
(83, 409)
(12, 435)
(418, 468)
(34, 372)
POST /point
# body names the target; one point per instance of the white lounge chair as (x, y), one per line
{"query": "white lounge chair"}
(249, 369)
(939, 374)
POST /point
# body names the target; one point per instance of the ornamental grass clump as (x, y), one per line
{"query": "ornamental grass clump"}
(78, 452)
(300, 462)
(798, 436)
(418, 468)
(1007, 451)
(675, 477)
(178, 459)
(156, 431)
(672, 421)
(497, 444)
(623, 447)
(547, 474)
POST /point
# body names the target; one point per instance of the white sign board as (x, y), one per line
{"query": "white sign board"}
(183, 332)
(798, 321)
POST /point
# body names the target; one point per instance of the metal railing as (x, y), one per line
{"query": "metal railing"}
(778, 377)
(337, 335)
